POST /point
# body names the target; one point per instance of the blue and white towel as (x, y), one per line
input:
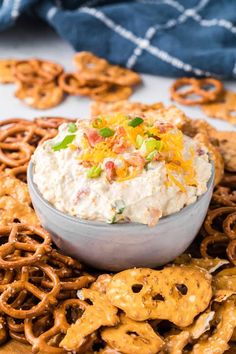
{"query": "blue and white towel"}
(163, 37)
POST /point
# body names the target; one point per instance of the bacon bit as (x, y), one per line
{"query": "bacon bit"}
(155, 215)
(110, 170)
(93, 137)
(163, 127)
(86, 164)
(136, 160)
(81, 194)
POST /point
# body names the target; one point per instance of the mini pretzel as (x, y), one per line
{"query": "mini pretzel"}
(197, 88)
(213, 240)
(224, 108)
(51, 122)
(37, 71)
(75, 283)
(224, 196)
(75, 85)
(11, 210)
(86, 61)
(227, 225)
(212, 215)
(3, 330)
(218, 341)
(18, 172)
(231, 251)
(6, 71)
(101, 312)
(132, 337)
(40, 96)
(6, 278)
(112, 93)
(36, 250)
(46, 298)
(144, 294)
(60, 326)
(22, 157)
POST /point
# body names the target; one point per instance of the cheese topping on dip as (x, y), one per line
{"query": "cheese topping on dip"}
(120, 168)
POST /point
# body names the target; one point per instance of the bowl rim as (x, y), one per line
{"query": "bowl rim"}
(77, 220)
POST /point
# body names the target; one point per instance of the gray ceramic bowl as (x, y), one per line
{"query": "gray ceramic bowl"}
(120, 246)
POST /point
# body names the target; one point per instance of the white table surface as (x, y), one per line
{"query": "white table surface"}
(37, 40)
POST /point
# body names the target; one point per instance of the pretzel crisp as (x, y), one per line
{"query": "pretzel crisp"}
(125, 107)
(196, 87)
(210, 264)
(226, 142)
(132, 337)
(224, 108)
(6, 71)
(112, 93)
(215, 155)
(167, 294)
(218, 341)
(225, 280)
(101, 312)
(46, 298)
(16, 241)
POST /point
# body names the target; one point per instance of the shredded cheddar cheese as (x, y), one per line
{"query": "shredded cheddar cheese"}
(180, 171)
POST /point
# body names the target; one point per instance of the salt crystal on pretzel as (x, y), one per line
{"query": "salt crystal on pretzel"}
(131, 337)
(100, 313)
(176, 293)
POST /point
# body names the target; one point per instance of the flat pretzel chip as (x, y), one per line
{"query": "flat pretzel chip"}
(218, 341)
(175, 293)
(132, 337)
(223, 109)
(100, 313)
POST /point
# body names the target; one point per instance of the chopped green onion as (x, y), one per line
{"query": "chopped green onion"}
(113, 220)
(64, 143)
(151, 155)
(94, 172)
(152, 144)
(106, 132)
(139, 141)
(97, 123)
(135, 122)
(72, 128)
(119, 206)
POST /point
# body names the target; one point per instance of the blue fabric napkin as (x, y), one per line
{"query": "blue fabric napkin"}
(163, 37)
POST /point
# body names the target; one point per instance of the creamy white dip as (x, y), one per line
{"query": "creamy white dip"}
(63, 181)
